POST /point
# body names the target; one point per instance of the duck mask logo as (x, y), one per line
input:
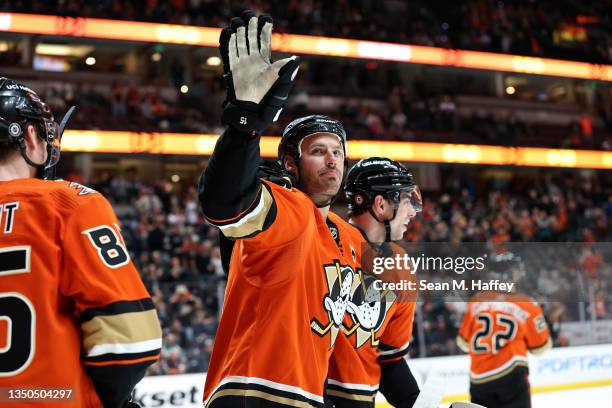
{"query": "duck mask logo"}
(368, 309)
(341, 284)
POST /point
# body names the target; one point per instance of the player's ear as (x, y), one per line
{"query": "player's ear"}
(34, 145)
(291, 166)
(30, 137)
(378, 205)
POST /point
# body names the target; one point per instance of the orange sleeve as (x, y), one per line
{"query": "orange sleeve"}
(265, 259)
(465, 331)
(118, 318)
(537, 334)
(275, 217)
(398, 333)
(291, 214)
(120, 331)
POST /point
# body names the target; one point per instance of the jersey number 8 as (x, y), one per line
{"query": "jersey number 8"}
(111, 249)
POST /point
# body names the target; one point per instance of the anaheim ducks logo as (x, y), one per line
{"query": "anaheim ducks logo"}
(340, 282)
(368, 309)
(83, 190)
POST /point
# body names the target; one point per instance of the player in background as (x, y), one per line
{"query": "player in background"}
(382, 199)
(293, 262)
(497, 330)
(77, 316)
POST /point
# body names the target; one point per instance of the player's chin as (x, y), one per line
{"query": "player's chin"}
(331, 185)
(330, 178)
(400, 233)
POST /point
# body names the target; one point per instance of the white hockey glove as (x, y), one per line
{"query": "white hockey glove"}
(257, 89)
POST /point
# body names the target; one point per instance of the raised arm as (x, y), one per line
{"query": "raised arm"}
(230, 190)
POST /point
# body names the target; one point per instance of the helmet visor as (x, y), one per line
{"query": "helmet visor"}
(413, 194)
(54, 139)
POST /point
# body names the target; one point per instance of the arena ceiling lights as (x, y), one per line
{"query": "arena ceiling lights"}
(203, 145)
(300, 44)
(62, 50)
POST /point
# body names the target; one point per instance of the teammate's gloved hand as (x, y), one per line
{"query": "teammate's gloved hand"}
(257, 88)
(273, 171)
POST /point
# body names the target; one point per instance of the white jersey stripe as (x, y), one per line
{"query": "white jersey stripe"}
(349, 386)
(397, 350)
(498, 369)
(125, 348)
(267, 383)
(246, 218)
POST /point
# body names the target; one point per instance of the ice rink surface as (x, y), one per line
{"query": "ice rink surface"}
(597, 397)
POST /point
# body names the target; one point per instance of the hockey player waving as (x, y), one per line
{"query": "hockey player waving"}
(293, 262)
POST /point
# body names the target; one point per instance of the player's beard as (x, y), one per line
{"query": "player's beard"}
(321, 188)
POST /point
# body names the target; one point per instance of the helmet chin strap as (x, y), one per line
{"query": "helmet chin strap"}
(327, 204)
(40, 167)
(386, 223)
(387, 230)
(44, 171)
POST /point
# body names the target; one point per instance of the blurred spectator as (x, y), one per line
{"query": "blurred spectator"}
(556, 29)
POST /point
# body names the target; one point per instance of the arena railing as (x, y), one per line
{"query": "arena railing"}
(98, 141)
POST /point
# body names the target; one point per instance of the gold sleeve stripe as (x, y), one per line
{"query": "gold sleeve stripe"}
(463, 344)
(121, 362)
(252, 222)
(261, 395)
(349, 396)
(138, 328)
(498, 374)
(541, 349)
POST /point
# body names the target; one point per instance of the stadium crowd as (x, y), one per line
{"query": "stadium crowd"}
(558, 29)
(406, 115)
(376, 100)
(178, 255)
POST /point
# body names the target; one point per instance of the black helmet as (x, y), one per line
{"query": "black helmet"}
(506, 264)
(296, 131)
(20, 106)
(379, 176)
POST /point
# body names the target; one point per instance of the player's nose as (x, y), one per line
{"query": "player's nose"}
(330, 160)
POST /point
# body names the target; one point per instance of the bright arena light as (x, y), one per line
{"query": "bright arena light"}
(510, 90)
(184, 89)
(90, 61)
(213, 61)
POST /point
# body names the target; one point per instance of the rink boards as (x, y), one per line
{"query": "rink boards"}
(560, 369)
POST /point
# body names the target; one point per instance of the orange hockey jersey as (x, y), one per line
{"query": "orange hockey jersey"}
(378, 330)
(497, 330)
(286, 296)
(73, 305)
